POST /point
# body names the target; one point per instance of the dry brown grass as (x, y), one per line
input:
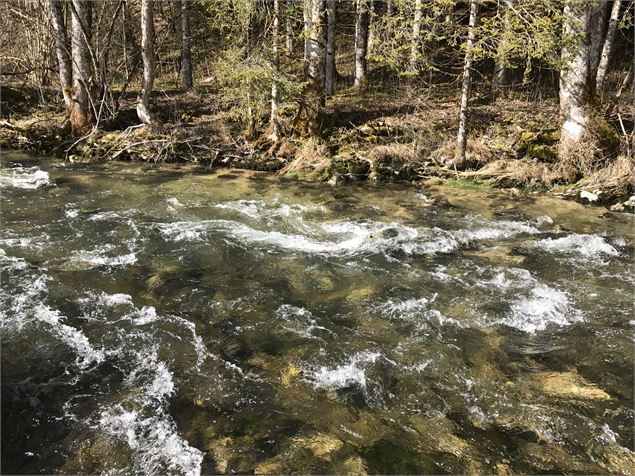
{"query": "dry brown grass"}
(514, 173)
(617, 178)
(312, 159)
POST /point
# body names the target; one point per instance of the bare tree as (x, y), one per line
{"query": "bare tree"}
(81, 113)
(416, 35)
(362, 22)
(461, 137)
(608, 47)
(186, 50)
(310, 113)
(63, 52)
(331, 6)
(147, 53)
(577, 75)
(276, 130)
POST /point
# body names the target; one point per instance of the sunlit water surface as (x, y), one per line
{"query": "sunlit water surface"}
(171, 320)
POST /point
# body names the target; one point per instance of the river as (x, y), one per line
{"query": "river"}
(166, 319)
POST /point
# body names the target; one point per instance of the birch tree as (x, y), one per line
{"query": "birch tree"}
(147, 54)
(81, 114)
(608, 47)
(276, 130)
(186, 50)
(577, 76)
(331, 6)
(63, 52)
(461, 138)
(362, 22)
(416, 35)
(313, 103)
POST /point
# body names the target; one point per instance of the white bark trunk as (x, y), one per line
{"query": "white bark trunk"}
(361, 43)
(63, 52)
(608, 47)
(416, 36)
(81, 20)
(315, 97)
(186, 51)
(331, 6)
(307, 12)
(147, 53)
(461, 138)
(575, 77)
(276, 131)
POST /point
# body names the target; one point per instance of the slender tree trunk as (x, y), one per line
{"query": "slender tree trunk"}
(596, 38)
(147, 53)
(81, 115)
(289, 27)
(63, 51)
(331, 6)
(499, 78)
(416, 36)
(390, 7)
(577, 76)
(608, 47)
(362, 23)
(307, 12)
(461, 138)
(186, 52)
(315, 96)
(276, 130)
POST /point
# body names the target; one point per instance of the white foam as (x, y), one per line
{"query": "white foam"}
(585, 246)
(146, 315)
(99, 257)
(298, 320)
(343, 375)
(544, 306)
(405, 308)
(24, 178)
(74, 338)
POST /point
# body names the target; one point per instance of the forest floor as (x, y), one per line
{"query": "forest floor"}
(403, 133)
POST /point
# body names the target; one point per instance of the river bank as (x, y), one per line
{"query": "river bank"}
(512, 144)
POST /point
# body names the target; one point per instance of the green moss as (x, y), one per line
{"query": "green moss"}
(472, 184)
(543, 152)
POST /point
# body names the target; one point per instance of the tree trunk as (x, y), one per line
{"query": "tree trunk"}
(81, 115)
(390, 7)
(186, 52)
(63, 51)
(608, 47)
(313, 102)
(331, 6)
(276, 130)
(362, 22)
(461, 138)
(499, 78)
(147, 53)
(289, 27)
(416, 36)
(577, 76)
(307, 12)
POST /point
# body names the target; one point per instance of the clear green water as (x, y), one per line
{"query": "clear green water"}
(171, 320)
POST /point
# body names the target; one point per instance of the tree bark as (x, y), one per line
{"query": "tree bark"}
(186, 51)
(331, 6)
(461, 138)
(416, 36)
(362, 22)
(499, 77)
(276, 130)
(147, 53)
(82, 70)
(577, 75)
(307, 13)
(289, 27)
(608, 47)
(313, 102)
(390, 7)
(63, 52)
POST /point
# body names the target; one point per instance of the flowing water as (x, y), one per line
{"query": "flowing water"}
(176, 320)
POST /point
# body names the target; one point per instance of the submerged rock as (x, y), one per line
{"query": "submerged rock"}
(567, 385)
